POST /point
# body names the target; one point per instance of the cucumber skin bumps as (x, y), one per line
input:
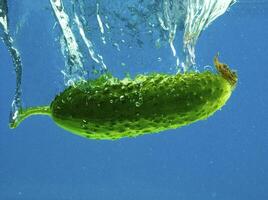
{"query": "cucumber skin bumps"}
(109, 108)
(148, 104)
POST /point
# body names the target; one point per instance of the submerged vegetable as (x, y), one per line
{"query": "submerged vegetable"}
(112, 108)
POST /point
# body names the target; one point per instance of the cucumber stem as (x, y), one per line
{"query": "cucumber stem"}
(25, 113)
(225, 71)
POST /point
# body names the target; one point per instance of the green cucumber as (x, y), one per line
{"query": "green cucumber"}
(109, 108)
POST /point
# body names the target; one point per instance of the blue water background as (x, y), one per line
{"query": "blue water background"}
(223, 157)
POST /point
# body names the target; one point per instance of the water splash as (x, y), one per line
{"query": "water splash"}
(74, 67)
(191, 17)
(97, 58)
(200, 14)
(171, 16)
(16, 59)
(113, 23)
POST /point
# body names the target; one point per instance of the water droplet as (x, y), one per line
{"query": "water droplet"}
(122, 98)
(84, 126)
(138, 104)
(106, 89)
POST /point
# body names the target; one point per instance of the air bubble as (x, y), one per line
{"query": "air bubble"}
(138, 104)
(122, 98)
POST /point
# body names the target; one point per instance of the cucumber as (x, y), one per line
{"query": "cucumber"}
(109, 108)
